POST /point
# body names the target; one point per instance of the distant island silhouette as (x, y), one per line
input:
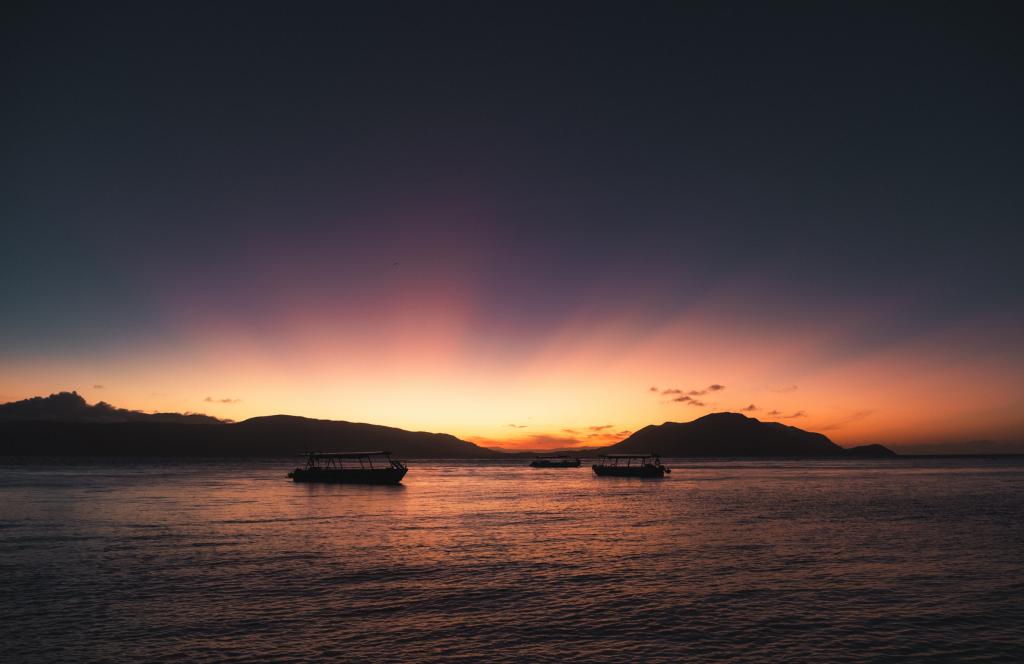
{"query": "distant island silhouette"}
(733, 434)
(64, 424)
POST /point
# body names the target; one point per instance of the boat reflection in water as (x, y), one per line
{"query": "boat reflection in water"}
(350, 468)
(555, 461)
(630, 465)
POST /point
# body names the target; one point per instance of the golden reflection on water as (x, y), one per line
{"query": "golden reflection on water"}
(778, 560)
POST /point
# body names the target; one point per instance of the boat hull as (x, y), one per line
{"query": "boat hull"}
(349, 475)
(629, 471)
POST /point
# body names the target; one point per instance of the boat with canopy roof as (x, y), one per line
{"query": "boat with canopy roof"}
(630, 465)
(350, 468)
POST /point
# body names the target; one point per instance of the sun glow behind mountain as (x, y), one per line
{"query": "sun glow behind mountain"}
(434, 360)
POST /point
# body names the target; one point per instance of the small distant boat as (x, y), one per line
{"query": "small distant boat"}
(555, 461)
(350, 468)
(630, 465)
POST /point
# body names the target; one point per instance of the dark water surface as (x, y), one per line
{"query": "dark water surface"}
(781, 561)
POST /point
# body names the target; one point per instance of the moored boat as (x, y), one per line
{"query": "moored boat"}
(350, 468)
(630, 465)
(555, 461)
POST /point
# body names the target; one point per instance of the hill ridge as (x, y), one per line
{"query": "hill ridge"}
(728, 434)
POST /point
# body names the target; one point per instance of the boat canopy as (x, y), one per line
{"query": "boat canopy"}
(630, 456)
(345, 455)
(350, 460)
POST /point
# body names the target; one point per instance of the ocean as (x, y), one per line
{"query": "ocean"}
(795, 561)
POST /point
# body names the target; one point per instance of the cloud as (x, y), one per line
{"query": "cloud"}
(539, 441)
(782, 389)
(601, 427)
(690, 401)
(517, 426)
(653, 389)
(714, 387)
(224, 400)
(555, 441)
(849, 419)
(98, 387)
(778, 414)
(749, 409)
(606, 436)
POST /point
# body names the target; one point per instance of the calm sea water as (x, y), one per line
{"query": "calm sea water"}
(470, 561)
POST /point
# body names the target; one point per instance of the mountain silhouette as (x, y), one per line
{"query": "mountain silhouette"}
(734, 435)
(269, 433)
(873, 451)
(64, 424)
(71, 407)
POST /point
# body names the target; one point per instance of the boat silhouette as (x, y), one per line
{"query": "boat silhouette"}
(350, 468)
(555, 461)
(630, 465)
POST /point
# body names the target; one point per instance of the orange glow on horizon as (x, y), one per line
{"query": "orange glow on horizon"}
(586, 383)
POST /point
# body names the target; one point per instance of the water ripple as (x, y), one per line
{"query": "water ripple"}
(743, 561)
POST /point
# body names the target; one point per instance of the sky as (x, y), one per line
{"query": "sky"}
(528, 225)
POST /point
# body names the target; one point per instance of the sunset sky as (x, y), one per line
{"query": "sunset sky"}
(525, 227)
